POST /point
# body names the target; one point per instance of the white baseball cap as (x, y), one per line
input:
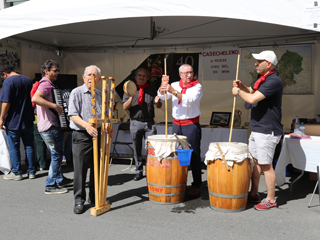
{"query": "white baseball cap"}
(269, 56)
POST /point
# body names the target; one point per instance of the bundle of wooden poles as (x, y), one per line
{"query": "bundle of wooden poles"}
(101, 168)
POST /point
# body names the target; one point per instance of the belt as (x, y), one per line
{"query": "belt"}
(82, 131)
(143, 119)
(85, 131)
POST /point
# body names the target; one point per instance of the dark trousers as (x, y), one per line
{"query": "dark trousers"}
(82, 149)
(193, 134)
(41, 148)
(140, 130)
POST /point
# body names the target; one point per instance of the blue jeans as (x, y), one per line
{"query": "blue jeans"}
(13, 140)
(53, 138)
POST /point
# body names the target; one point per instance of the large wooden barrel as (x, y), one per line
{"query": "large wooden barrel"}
(166, 179)
(228, 190)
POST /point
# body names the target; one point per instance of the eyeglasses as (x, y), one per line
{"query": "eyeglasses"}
(187, 73)
(55, 70)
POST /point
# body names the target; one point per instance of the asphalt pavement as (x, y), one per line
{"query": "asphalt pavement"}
(26, 212)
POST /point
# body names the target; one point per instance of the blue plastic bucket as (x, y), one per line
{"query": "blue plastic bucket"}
(184, 156)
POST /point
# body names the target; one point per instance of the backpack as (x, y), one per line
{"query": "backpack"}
(33, 90)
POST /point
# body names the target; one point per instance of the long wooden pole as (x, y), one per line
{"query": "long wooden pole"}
(102, 142)
(234, 101)
(108, 143)
(165, 99)
(95, 144)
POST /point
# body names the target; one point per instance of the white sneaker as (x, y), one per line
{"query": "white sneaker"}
(12, 176)
(31, 175)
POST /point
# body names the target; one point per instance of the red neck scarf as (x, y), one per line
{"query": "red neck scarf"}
(184, 89)
(261, 80)
(141, 92)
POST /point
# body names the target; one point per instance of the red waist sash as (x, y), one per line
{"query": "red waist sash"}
(186, 121)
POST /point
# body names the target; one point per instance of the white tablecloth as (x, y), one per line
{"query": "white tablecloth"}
(208, 135)
(303, 154)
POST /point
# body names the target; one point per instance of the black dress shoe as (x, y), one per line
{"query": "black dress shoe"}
(78, 208)
(137, 177)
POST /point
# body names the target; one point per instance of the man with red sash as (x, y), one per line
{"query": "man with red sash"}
(186, 95)
(265, 97)
(141, 116)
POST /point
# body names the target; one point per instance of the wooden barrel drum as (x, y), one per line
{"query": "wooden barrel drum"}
(166, 179)
(228, 190)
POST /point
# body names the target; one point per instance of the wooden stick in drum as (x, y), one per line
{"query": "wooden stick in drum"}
(234, 101)
(165, 99)
(223, 158)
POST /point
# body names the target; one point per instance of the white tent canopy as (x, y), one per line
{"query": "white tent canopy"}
(103, 24)
(121, 31)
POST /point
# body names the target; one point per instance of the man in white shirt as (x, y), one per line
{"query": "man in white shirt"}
(186, 95)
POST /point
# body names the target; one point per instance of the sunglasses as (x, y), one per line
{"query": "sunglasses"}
(55, 70)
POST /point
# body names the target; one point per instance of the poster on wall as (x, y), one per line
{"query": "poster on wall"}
(295, 66)
(219, 63)
(10, 55)
(155, 65)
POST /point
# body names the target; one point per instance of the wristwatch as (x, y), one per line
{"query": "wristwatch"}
(175, 93)
(239, 91)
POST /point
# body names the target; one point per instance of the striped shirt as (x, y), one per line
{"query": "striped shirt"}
(80, 105)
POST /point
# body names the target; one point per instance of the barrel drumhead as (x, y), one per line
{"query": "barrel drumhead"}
(130, 88)
(232, 151)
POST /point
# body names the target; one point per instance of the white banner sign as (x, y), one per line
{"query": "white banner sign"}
(219, 63)
(310, 15)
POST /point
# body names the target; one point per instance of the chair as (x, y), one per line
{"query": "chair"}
(124, 126)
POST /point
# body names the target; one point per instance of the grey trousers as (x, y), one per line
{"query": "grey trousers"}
(140, 130)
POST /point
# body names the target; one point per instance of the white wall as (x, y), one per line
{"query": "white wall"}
(217, 94)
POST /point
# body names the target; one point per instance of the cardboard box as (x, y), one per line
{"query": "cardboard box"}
(312, 129)
(313, 176)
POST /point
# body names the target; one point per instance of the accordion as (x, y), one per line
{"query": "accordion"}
(61, 97)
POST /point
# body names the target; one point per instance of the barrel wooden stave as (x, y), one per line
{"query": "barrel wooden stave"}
(165, 178)
(228, 190)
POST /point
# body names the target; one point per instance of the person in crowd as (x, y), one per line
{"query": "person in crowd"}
(17, 119)
(265, 95)
(67, 146)
(80, 111)
(49, 127)
(186, 95)
(41, 148)
(141, 108)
